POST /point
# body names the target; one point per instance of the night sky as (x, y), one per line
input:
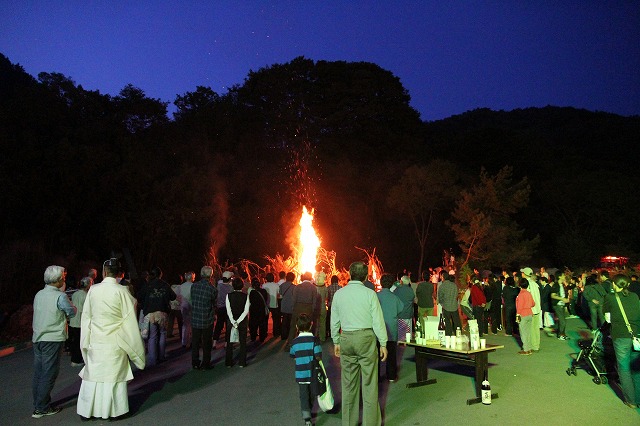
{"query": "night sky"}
(451, 56)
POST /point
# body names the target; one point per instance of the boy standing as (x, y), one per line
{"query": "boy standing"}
(304, 349)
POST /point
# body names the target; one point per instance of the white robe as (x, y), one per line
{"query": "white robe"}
(109, 337)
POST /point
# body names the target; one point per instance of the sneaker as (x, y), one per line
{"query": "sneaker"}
(307, 423)
(524, 353)
(48, 412)
(509, 335)
(563, 337)
(77, 364)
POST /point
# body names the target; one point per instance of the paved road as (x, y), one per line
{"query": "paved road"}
(532, 390)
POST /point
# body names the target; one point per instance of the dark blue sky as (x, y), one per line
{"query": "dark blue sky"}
(451, 56)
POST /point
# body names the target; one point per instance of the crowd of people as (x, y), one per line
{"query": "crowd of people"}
(112, 322)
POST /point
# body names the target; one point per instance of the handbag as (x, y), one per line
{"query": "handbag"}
(634, 339)
(318, 378)
(320, 382)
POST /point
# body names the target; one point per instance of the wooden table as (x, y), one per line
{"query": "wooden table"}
(479, 359)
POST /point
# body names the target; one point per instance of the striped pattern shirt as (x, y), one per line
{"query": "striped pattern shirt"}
(304, 348)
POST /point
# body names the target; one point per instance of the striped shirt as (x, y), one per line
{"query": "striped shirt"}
(304, 348)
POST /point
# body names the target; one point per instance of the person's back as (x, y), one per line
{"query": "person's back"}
(286, 291)
(286, 305)
(185, 292)
(305, 298)
(203, 295)
(108, 309)
(272, 291)
(448, 299)
(305, 292)
(509, 295)
(157, 297)
(448, 295)
(356, 322)
(238, 306)
(424, 294)
(223, 289)
(406, 295)
(304, 348)
(391, 306)
(258, 311)
(51, 307)
(203, 306)
(359, 301)
(110, 341)
(545, 297)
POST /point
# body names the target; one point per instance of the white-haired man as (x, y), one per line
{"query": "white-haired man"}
(203, 305)
(51, 308)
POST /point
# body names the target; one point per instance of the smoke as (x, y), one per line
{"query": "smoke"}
(219, 228)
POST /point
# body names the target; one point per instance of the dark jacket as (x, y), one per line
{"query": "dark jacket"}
(509, 295)
(156, 297)
(257, 299)
(545, 297)
(237, 300)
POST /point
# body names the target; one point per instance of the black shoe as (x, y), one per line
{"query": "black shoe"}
(196, 366)
(48, 412)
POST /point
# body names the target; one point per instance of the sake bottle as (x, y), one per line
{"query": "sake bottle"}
(441, 332)
(486, 391)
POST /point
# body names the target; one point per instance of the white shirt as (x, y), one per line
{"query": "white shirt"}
(273, 289)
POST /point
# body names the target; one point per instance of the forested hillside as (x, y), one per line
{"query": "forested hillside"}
(84, 173)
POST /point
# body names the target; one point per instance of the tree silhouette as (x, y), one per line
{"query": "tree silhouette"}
(421, 193)
(483, 221)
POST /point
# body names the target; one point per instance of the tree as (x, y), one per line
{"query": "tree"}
(191, 103)
(422, 192)
(483, 221)
(137, 111)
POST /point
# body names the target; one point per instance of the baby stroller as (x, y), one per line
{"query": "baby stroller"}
(592, 356)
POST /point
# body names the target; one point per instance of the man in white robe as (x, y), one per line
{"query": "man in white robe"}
(109, 337)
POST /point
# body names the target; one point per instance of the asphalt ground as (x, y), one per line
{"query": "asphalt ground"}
(532, 390)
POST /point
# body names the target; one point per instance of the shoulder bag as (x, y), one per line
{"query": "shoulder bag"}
(635, 339)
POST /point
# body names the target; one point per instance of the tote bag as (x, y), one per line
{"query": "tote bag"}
(325, 398)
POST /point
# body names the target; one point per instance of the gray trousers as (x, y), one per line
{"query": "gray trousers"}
(359, 362)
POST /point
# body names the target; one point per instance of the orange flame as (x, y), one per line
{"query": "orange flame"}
(374, 274)
(308, 243)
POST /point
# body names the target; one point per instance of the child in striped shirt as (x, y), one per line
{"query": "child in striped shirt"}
(304, 348)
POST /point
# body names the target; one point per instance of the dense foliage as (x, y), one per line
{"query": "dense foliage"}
(86, 174)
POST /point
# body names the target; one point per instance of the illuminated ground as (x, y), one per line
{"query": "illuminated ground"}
(532, 389)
